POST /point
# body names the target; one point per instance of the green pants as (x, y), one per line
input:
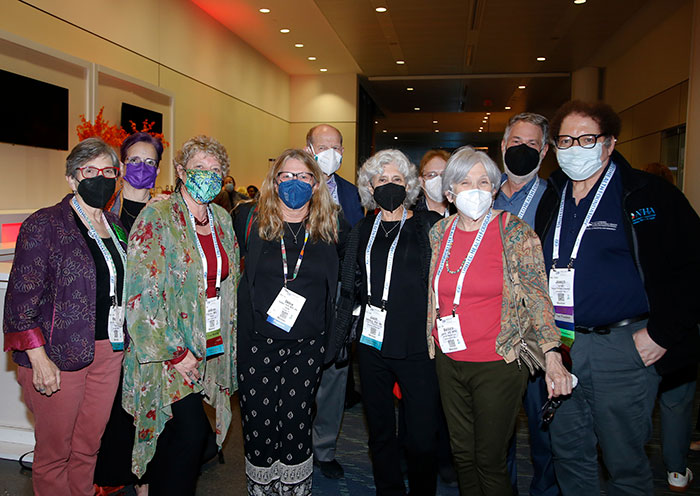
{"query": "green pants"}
(481, 401)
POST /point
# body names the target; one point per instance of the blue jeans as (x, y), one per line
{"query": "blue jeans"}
(611, 406)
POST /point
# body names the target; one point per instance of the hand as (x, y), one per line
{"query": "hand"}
(647, 348)
(187, 367)
(559, 382)
(46, 377)
(157, 198)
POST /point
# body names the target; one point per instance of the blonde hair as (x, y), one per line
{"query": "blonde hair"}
(322, 221)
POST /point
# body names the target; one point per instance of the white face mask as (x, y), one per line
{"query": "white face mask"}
(580, 163)
(329, 161)
(433, 188)
(473, 202)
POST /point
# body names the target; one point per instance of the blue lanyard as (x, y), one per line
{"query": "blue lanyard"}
(201, 250)
(467, 261)
(591, 210)
(389, 257)
(105, 252)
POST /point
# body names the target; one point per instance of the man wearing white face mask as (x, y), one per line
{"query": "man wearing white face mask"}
(325, 143)
(621, 249)
(523, 147)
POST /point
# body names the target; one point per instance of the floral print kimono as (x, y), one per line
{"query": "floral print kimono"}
(165, 314)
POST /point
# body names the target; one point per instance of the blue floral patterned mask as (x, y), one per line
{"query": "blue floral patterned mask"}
(203, 185)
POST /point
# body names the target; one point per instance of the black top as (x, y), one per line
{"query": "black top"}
(130, 210)
(404, 328)
(310, 283)
(102, 299)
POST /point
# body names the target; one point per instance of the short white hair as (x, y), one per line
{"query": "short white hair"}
(375, 166)
(462, 161)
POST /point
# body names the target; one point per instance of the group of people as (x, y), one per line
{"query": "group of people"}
(440, 278)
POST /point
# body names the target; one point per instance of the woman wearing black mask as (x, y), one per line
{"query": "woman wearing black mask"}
(391, 254)
(64, 320)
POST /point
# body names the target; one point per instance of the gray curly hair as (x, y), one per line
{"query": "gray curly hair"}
(375, 166)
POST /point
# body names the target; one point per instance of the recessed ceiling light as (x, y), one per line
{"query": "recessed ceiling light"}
(264, 11)
(434, 122)
(484, 121)
(284, 30)
(481, 131)
(507, 108)
(323, 69)
(384, 130)
(488, 113)
(416, 108)
(376, 122)
(522, 87)
(396, 137)
(541, 59)
(409, 88)
(437, 130)
(299, 45)
(486, 117)
(380, 9)
(579, 2)
(311, 58)
(401, 62)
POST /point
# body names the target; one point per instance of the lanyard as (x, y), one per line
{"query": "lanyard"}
(530, 196)
(201, 250)
(105, 252)
(467, 262)
(389, 258)
(591, 210)
(284, 258)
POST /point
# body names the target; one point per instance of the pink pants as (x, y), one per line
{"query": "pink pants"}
(69, 424)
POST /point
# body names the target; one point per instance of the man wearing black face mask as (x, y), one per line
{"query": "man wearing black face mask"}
(524, 146)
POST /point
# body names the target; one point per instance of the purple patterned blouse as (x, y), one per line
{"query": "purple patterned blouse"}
(51, 292)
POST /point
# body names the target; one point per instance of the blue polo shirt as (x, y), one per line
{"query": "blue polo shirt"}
(607, 285)
(514, 203)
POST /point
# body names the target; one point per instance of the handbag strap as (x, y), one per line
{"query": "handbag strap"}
(502, 219)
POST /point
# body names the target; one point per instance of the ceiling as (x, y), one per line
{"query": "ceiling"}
(463, 58)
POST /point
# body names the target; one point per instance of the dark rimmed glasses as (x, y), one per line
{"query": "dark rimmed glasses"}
(564, 141)
(151, 162)
(90, 171)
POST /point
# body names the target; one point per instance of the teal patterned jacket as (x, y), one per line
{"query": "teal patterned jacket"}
(524, 250)
(165, 314)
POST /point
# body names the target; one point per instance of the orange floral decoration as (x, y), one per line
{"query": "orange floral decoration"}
(113, 135)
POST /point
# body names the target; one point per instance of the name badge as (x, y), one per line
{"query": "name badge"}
(115, 327)
(285, 309)
(215, 343)
(373, 327)
(561, 287)
(450, 334)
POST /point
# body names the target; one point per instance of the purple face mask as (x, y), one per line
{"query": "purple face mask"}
(140, 175)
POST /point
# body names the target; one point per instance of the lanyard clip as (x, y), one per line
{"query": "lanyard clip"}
(218, 291)
(454, 310)
(554, 263)
(571, 264)
(113, 298)
(383, 305)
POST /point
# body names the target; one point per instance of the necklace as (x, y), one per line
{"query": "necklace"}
(295, 234)
(386, 233)
(447, 265)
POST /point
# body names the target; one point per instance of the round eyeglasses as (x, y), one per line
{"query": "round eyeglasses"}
(89, 171)
(564, 141)
(137, 160)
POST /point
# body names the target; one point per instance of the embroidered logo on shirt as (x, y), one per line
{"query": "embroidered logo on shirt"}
(643, 214)
(601, 225)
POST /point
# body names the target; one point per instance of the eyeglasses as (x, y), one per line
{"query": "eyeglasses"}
(564, 141)
(305, 177)
(148, 161)
(549, 409)
(431, 175)
(90, 171)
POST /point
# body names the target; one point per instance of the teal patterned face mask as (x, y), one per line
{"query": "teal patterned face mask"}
(203, 185)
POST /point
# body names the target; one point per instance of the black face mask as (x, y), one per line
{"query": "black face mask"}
(96, 191)
(521, 159)
(389, 196)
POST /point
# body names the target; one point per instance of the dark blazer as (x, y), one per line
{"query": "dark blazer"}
(246, 228)
(349, 200)
(663, 232)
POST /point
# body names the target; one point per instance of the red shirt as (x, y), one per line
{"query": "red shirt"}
(479, 309)
(208, 246)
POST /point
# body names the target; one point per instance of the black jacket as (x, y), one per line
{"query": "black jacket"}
(246, 228)
(666, 249)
